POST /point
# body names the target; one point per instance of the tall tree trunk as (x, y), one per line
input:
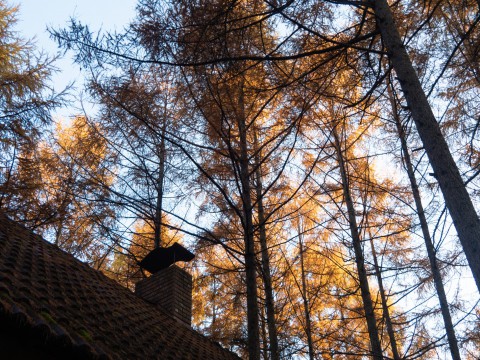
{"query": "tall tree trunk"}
(264, 335)
(368, 307)
(306, 307)
(214, 305)
(266, 273)
(61, 215)
(160, 181)
(250, 258)
(456, 197)
(383, 297)
(58, 233)
(437, 276)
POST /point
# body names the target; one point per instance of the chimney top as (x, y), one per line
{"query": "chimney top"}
(161, 258)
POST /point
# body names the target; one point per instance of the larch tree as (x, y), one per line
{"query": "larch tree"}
(222, 49)
(457, 199)
(368, 304)
(138, 113)
(236, 107)
(372, 34)
(69, 203)
(26, 101)
(429, 244)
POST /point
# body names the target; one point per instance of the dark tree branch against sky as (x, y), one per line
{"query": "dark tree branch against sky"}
(271, 137)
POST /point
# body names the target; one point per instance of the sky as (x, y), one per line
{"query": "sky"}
(35, 16)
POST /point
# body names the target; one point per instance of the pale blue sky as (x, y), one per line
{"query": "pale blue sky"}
(35, 15)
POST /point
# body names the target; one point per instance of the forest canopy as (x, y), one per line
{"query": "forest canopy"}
(320, 158)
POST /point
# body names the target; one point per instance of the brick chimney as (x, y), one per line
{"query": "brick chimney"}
(169, 286)
(171, 289)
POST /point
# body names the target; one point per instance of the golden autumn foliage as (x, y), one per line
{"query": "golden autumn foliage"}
(260, 133)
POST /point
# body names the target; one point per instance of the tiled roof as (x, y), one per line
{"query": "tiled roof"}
(74, 307)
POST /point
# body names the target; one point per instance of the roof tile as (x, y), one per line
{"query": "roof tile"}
(66, 302)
